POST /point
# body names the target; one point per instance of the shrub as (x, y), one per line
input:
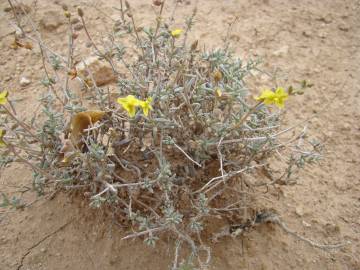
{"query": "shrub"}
(168, 151)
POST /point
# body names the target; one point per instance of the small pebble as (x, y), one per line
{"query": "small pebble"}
(344, 27)
(299, 211)
(24, 81)
(306, 33)
(306, 224)
(282, 51)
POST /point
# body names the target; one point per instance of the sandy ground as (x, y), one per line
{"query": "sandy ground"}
(314, 40)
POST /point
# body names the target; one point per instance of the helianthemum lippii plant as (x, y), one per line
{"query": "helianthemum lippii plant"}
(170, 150)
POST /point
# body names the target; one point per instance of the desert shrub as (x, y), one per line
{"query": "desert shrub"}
(168, 151)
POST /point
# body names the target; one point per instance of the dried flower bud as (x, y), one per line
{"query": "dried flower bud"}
(157, 2)
(217, 75)
(64, 7)
(14, 45)
(129, 14)
(67, 14)
(72, 73)
(88, 82)
(80, 12)
(159, 19)
(194, 45)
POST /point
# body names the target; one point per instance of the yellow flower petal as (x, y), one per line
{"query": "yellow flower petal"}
(176, 33)
(218, 92)
(2, 134)
(266, 95)
(279, 103)
(280, 92)
(269, 97)
(129, 104)
(146, 106)
(3, 97)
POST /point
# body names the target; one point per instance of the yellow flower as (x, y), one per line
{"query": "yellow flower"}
(146, 106)
(2, 134)
(218, 92)
(269, 97)
(3, 97)
(176, 33)
(129, 104)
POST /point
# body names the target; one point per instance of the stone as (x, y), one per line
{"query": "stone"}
(51, 20)
(322, 34)
(308, 225)
(346, 127)
(19, 33)
(24, 81)
(306, 33)
(100, 70)
(342, 185)
(344, 27)
(284, 50)
(299, 211)
(326, 19)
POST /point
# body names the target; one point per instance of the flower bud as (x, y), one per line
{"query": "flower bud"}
(67, 14)
(218, 92)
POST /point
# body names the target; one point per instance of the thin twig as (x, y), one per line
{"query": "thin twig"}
(182, 151)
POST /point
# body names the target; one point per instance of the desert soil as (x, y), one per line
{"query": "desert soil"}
(314, 40)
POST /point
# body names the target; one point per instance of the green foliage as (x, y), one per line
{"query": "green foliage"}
(14, 202)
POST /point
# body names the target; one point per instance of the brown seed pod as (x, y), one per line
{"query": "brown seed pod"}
(217, 75)
(80, 12)
(127, 4)
(194, 45)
